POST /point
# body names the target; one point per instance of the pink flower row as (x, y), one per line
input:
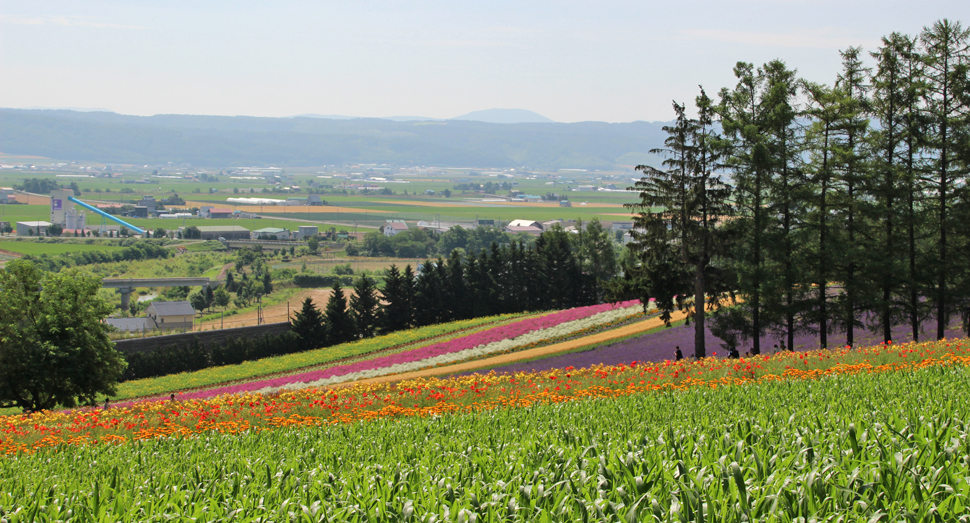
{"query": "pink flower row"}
(470, 341)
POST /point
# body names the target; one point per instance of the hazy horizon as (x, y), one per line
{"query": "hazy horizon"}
(568, 61)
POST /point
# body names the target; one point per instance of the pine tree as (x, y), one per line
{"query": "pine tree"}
(308, 325)
(855, 104)
(787, 236)
(459, 303)
(397, 313)
(744, 121)
(883, 252)
(363, 305)
(678, 214)
(267, 283)
(340, 324)
(946, 58)
(430, 305)
(560, 267)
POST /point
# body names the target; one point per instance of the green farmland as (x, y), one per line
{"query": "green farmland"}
(38, 248)
(864, 448)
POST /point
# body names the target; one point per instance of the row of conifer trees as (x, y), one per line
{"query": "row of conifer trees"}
(827, 208)
(504, 279)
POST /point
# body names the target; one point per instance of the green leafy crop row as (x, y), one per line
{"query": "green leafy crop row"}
(877, 447)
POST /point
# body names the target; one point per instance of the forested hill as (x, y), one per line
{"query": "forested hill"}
(222, 141)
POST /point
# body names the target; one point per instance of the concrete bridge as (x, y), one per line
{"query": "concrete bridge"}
(126, 286)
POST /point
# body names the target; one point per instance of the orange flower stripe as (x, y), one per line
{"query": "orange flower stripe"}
(355, 403)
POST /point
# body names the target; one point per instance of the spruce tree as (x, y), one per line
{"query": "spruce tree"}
(459, 304)
(396, 312)
(678, 215)
(363, 305)
(340, 324)
(308, 325)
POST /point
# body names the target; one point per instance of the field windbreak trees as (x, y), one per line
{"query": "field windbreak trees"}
(54, 347)
(744, 121)
(827, 109)
(889, 250)
(851, 176)
(676, 226)
(946, 57)
(430, 303)
(787, 235)
(560, 268)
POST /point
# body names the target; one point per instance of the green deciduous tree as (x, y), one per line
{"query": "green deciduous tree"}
(54, 347)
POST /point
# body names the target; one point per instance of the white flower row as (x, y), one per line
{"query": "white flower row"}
(563, 329)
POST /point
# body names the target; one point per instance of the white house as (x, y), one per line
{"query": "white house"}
(393, 227)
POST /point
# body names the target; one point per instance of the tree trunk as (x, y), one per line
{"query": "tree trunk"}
(700, 350)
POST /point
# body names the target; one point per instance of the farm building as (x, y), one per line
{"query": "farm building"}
(305, 231)
(533, 231)
(32, 228)
(168, 315)
(229, 232)
(526, 223)
(214, 212)
(390, 228)
(314, 200)
(273, 233)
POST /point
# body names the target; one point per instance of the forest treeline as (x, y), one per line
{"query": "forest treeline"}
(558, 270)
(825, 208)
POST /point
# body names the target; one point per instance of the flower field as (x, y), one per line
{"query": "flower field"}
(394, 342)
(871, 435)
(522, 332)
(254, 411)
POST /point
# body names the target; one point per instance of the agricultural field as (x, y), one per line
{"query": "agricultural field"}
(38, 248)
(855, 436)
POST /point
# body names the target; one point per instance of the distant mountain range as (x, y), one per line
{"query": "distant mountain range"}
(314, 140)
(488, 115)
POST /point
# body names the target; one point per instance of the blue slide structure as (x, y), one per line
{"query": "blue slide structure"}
(94, 209)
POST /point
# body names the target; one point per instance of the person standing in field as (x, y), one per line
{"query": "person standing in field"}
(678, 355)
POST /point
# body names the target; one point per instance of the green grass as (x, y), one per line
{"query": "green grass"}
(37, 248)
(882, 447)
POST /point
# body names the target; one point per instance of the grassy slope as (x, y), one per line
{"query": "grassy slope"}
(851, 446)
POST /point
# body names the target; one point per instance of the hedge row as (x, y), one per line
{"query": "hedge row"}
(321, 280)
(192, 356)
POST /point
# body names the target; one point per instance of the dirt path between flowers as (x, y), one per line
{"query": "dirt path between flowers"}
(529, 354)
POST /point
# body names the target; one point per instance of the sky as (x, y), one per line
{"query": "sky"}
(603, 60)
